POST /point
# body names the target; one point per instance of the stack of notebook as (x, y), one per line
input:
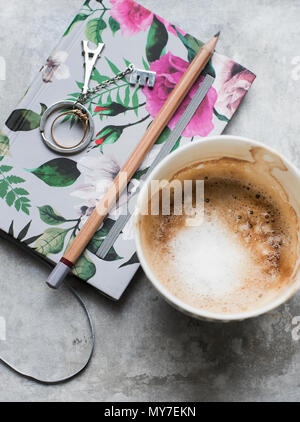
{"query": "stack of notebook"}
(44, 197)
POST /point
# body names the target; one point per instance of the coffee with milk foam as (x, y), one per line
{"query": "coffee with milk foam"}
(243, 253)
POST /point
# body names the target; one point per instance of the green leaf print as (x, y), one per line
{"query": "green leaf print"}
(99, 237)
(113, 67)
(23, 120)
(114, 25)
(140, 173)
(96, 76)
(3, 188)
(146, 65)
(10, 198)
(164, 136)
(78, 18)
(109, 135)
(49, 216)
(60, 172)
(15, 179)
(5, 169)
(135, 101)
(84, 268)
(12, 194)
(4, 145)
(11, 229)
(23, 232)
(127, 96)
(31, 240)
(193, 45)
(51, 241)
(94, 29)
(133, 260)
(221, 116)
(177, 145)
(157, 40)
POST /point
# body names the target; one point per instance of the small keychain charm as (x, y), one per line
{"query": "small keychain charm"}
(142, 77)
(90, 59)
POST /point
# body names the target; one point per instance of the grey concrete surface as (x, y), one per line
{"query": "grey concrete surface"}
(145, 349)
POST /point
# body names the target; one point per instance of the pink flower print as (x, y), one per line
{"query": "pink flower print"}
(232, 82)
(131, 16)
(134, 18)
(169, 70)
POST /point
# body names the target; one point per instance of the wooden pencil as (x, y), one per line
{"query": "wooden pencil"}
(109, 199)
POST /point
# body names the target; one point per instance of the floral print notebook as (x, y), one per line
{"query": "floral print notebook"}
(45, 198)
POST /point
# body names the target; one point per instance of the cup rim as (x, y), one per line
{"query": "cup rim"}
(169, 297)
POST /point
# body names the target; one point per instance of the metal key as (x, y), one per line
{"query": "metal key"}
(142, 77)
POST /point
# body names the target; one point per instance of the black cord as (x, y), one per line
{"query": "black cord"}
(68, 378)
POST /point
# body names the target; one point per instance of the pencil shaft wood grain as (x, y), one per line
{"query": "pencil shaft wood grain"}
(136, 158)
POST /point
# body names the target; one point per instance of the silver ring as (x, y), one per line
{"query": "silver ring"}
(86, 140)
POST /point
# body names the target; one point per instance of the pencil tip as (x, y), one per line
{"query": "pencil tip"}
(217, 34)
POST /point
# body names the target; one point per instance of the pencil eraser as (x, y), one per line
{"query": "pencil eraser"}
(58, 275)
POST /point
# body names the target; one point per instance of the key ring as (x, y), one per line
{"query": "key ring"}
(82, 117)
(90, 58)
(82, 112)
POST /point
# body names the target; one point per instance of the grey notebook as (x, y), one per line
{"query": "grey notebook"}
(45, 198)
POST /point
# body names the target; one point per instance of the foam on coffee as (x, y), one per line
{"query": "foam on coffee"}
(209, 240)
(242, 255)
